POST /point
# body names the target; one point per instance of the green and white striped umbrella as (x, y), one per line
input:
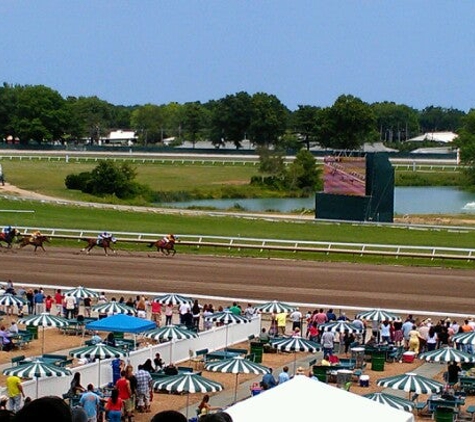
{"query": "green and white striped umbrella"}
(447, 354)
(465, 338)
(411, 383)
(340, 327)
(296, 344)
(391, 400)
(275, 307)
(226, 318)
(237, 365)
(377, 315)
(37, 369)
(113, 308)
(98, 351)
(81, 293)
(170, 332)
(173, 298)
(44, 320)
(190, 383)
(8, 299)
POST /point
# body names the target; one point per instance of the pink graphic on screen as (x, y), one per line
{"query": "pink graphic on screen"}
(344, 175)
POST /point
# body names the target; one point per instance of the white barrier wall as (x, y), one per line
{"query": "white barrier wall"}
(213, 339)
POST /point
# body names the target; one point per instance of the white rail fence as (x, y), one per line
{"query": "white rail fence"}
(267, 245)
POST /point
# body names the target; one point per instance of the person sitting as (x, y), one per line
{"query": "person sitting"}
(96, 338)
(264, 336)
(6, 230)
(110, 340)
(170, 369)
(75, 387)
(158, 362)
(5, 337)
(204, 407)
(168, 238)
(103, 236)
(147, 366)
(35, 235)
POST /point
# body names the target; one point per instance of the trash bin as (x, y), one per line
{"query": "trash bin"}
(444, 414)
(320, 372)
(342, 377)
(33, 329)
(377, 361)
(257, 349)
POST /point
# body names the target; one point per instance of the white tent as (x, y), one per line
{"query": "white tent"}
(304, 399)
(444, 137)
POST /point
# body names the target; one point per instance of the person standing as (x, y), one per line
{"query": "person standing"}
(156, 312)
(15, 393)
(184, 309)
(114, 406)
(168, 314)
(125, 394)
(284, 375)
(327, 340)
(90, 401)
(281, 319)
(39, 300)
(144, 387)
(70, 305)
(268, 380)
(296, 318)
(58, 301)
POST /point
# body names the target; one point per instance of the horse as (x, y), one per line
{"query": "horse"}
(9, 237)
(37, 241)
(164, 247)
(106, 244)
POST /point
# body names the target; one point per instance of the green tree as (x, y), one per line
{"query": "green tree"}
(194, 117)
(303, 173)
(347, 124)
(148, 121)
(112, 178)
(436, 119)
(304, 122)
(39, 115)
(395, 122)
(230, 119)
(466, 143)
(268, 119)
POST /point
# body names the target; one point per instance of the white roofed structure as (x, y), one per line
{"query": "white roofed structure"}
(444, 137)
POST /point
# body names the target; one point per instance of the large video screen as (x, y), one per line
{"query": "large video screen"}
(344, 175)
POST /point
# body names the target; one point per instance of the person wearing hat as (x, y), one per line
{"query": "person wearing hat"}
(300, 371)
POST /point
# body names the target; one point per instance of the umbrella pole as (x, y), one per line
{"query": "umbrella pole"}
(37, 387)
(171, 350)
(99, 374)
(43, 344)
(295, 362)
(187, 404)
(236, 388)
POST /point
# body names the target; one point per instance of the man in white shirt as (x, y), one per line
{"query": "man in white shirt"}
(183, 310)
(296, 318)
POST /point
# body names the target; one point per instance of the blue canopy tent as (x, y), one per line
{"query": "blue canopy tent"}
(121, 323)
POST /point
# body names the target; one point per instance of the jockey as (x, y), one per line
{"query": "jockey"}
(35, 235)
(168, 238)
(102, 236)
(6, 230)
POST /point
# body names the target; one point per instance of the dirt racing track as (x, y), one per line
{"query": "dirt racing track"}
(340, 284)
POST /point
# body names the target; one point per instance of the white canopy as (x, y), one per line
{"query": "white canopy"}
(304, 399)
(444, 137)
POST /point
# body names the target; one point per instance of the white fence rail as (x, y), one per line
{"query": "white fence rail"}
(263, 245)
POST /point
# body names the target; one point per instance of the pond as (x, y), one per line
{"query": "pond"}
(407, 200)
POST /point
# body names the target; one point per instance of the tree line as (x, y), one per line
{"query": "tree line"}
(39, 114)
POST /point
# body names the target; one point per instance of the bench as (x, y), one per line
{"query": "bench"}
(467, 384)
(238, 351)
(17, 360)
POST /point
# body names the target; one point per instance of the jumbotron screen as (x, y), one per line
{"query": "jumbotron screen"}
(344, 175)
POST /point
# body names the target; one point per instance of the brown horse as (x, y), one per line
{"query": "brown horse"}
(106, 244)
(164, 247)
(36, 241)
(9, 237)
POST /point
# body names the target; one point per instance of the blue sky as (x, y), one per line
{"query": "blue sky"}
(414, 52)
